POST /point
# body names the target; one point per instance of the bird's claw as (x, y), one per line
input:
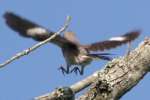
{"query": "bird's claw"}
(76, 69)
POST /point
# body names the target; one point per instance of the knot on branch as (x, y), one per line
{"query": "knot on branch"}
(146, 41)
(101, 87)
(64, 93)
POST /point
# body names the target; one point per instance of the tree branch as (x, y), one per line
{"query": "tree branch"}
(29, 50)
(111, 83)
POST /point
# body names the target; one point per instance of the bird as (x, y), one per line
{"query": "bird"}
(76, 55)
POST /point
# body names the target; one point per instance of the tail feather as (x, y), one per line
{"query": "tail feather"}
(102, 56)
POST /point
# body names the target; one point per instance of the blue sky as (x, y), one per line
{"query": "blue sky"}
(92, 20)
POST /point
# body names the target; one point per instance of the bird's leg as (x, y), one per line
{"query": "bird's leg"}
(75, 69)
(64, 71)
(82, 70)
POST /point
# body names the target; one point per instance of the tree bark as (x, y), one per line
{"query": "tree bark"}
(111, 83)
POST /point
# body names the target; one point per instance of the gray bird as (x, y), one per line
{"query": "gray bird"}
(75, 54)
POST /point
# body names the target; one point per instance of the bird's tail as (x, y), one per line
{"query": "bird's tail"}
(103, 56)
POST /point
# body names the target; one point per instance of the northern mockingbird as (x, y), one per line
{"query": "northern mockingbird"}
(75, 54)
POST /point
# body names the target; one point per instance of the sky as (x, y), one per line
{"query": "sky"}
(92, 20)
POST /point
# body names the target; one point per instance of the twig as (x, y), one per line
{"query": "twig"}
(77, 87)
(27, 51)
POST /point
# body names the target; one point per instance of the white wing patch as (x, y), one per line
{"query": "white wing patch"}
(36, 30)
(117, 39)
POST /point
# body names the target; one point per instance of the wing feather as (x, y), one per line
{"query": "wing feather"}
(113, 42)
(30, 29)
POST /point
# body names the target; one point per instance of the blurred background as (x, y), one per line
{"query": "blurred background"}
(92, 20)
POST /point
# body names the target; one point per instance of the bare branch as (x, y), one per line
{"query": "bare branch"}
(121, 75)
(27, 51)
(111, 83)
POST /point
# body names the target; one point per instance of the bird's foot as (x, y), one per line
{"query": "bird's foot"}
(64, 70)
(76, 70)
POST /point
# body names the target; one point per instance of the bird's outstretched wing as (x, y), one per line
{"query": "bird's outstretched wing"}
(113, 42)
(27, 28)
